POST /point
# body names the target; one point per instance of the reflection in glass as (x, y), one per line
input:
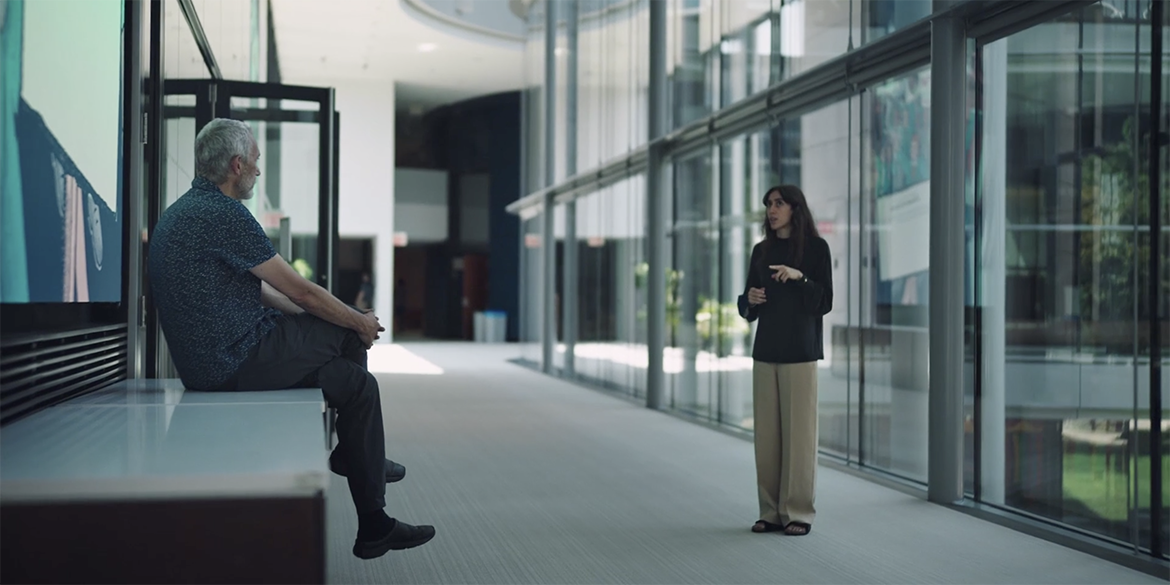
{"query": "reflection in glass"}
(744, 175)
(1062, 158)
(895, 243)
(611, 288)
(887, 16)
(692, 294)
(820, 148)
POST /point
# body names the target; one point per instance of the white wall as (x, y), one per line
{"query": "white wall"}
(300, 147)
(420, 206)
(367, 179)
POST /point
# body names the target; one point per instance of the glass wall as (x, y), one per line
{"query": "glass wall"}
(859, 163)
(1057, 185)
(237, 33)
(611, 288)
(823, 159)
(693, 302)
(722, 52)
(1065, 246)
(895, 246)
(613, 80)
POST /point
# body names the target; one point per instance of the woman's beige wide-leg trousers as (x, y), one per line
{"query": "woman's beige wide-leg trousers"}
(785, 407)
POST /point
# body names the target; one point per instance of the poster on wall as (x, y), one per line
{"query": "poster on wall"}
(901, 182)
(61, 151)
(901, 167)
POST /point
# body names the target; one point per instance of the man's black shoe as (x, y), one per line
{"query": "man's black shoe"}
(401, 537)
(394, 471)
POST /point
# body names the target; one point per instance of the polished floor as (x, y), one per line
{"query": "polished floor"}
(529, 479)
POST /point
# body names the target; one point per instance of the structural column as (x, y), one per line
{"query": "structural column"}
(947, 116)
(570, 276)
(656, 193)
(993, 181)
(548, 338)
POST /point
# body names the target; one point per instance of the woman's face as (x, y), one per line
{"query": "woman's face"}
(779, 211)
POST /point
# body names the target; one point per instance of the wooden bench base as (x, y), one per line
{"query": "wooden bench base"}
(173, 541)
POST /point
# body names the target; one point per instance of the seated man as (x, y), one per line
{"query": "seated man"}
(237, 317)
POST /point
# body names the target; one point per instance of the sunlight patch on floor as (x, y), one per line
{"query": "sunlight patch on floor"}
(387, 358)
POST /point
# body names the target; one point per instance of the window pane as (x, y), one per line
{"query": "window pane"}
(692, 291)
(896, 252)
(816, 152)
(1064, 203)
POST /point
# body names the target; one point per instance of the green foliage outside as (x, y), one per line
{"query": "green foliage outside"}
(1110, 197)
(302, 267)
(715, 322)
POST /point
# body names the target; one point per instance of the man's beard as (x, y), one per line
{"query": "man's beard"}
(249, 192)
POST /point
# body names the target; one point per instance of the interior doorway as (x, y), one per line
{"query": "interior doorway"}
(355, 261)
(410, 292)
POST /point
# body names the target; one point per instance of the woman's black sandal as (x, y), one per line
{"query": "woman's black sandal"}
(798, 526)
(765, 526)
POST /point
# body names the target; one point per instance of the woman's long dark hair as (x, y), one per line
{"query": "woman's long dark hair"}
(802, 224)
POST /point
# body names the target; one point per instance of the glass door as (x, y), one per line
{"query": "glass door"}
(296, 129)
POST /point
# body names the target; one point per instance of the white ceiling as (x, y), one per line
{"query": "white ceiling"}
(323, 43)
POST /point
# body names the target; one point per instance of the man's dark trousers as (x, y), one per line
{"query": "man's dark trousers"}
(305, 351)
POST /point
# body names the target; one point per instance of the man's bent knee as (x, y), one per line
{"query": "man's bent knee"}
(346, 383)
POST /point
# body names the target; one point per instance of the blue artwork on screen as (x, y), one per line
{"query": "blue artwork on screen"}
(72, 237)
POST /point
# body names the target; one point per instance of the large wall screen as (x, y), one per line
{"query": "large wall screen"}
(61, 150)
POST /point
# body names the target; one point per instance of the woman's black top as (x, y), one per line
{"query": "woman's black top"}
(791, 328)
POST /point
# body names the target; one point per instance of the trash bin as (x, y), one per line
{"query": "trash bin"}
(495, 327)
(490, 326)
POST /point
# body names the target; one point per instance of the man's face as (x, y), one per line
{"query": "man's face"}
(249, 170)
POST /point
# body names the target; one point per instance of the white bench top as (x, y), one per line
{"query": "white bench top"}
(144, 392)
(172, 444)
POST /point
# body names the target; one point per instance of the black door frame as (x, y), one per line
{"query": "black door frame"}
(1157, 140)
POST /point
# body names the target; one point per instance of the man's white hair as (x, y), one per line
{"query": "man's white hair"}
(219, 141)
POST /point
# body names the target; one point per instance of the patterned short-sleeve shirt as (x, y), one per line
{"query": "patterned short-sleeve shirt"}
(208, 302)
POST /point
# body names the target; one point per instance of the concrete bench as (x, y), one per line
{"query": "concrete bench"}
(145, 482)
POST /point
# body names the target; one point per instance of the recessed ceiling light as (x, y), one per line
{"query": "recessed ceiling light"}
(427, 47)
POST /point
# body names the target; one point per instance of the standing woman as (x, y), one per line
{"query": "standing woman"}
(789, 289)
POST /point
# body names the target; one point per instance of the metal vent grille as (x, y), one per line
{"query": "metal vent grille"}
(37, 371)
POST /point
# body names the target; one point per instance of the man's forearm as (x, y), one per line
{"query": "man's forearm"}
(283, 304)
(276, 300)
(319, 303)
